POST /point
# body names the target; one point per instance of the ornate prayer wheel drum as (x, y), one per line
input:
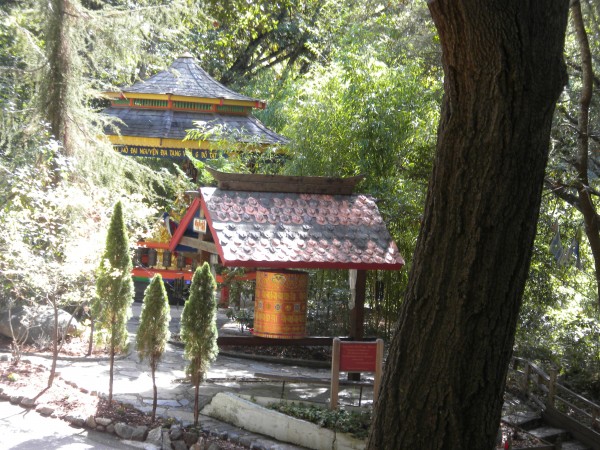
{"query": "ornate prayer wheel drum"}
(280, 304)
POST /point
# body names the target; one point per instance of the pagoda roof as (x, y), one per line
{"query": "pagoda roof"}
(185, 78)
(172, 124)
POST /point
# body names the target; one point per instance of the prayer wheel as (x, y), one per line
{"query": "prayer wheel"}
(280, 304)
(166, 259)
(152, 257)
(137, 256)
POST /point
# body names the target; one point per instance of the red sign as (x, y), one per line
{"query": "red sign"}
(358, 356)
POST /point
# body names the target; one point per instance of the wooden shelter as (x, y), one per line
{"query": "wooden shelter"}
(283, 222)
(153, 115)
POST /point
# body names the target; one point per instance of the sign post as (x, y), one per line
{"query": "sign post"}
(355, 356)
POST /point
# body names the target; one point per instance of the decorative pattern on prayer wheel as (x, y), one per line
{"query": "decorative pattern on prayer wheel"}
(280, 304)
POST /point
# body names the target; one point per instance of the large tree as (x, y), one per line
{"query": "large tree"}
(445, 374)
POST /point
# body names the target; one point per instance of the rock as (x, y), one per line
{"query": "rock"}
(27, 403)
(75, 421)
(15, 399)
(111, 428)
(139, 433)
(197, 446)
(214, 446)
(100, 428)
(44, 410)
(91, 422)
(103, 421)
(166, 440)
(123, 430)
(176, 433)
(4, 396)
(201, 444)
(3, 357)
(154, 437)
(35, 323)
(189, 437)
(179, 445)
(246, 441)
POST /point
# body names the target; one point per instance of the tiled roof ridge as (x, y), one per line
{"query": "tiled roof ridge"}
(184, 77)
(195, 69)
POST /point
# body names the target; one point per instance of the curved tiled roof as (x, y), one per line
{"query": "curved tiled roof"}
(184, 77)
(171, 124)
(292, 230)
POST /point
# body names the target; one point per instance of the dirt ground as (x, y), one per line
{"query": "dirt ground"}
(31, 381)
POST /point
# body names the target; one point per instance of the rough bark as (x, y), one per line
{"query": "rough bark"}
(56, 90)
(586, 205)
(445, 373)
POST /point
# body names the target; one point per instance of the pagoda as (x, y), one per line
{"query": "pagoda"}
(155, 114)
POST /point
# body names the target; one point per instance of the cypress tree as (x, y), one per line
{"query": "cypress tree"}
(199, 328)
(114, 288)
(153, 332)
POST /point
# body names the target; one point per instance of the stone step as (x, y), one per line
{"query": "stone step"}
(550, 434)
(526, 420)
(574, 445)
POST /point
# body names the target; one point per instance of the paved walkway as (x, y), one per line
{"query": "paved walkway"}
(133, 383)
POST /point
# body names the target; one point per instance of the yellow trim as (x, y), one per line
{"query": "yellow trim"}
(212, 101)
(157, 142)
(180, 98)
(174, 143)
(169, 143)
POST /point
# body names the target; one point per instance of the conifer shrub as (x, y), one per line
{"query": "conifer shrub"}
(153, 331)
(114, 289)
(199, 328)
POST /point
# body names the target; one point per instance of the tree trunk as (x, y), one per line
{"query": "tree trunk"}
(445, 373)
(57, 89)
(91, 343)
(54, 345)
(111, 368)
(155, 391)
(586, 205)
(196, 399)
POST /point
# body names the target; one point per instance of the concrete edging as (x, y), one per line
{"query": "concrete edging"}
(248, 415)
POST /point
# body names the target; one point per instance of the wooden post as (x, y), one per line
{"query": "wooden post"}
(378, 370)
(335, 374)
(552, 388)
(357, 314)
(525, 384)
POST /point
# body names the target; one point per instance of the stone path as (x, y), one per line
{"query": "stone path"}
(133, 383)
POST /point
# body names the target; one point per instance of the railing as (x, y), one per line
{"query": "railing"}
(552, 397)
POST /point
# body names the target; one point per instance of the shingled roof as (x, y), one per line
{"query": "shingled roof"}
(184, 77)
(172, 124)
(297, 230)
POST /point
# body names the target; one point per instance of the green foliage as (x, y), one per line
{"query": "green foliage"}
(199, 323)
(153, 331)
(114, 284)
(356, 423)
